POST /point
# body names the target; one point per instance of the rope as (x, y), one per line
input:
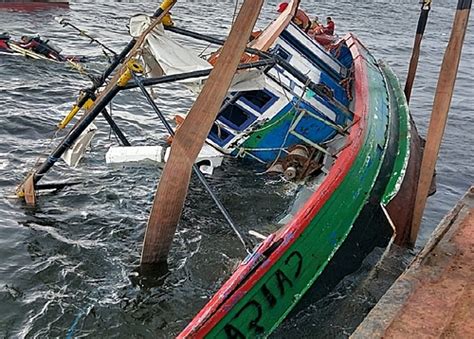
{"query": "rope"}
(294, 109)
(235, 11)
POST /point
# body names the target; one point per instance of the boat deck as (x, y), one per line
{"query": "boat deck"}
(435, 296)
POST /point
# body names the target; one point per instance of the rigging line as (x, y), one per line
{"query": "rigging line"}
(247, 246)
(295, 108)
(201, 55)
(325, 119)
(235, 11)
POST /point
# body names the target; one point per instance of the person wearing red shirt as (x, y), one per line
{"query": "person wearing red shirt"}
(38, 46)
(330, 27)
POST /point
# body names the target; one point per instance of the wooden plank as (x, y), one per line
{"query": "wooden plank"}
(439, 116)
(190, 137)
(265, 40)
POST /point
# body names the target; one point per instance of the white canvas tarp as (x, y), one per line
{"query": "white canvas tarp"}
(171, 56)
(162, 55)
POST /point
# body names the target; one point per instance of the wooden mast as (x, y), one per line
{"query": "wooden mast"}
(415, 56)
(190, 137)
(439, 116)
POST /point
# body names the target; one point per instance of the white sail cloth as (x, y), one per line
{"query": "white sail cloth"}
(170, 56)
(164, 56)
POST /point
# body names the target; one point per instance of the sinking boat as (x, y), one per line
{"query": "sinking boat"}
(333, 120)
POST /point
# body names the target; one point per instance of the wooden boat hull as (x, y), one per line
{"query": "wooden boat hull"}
(269, 283)
(325, 39)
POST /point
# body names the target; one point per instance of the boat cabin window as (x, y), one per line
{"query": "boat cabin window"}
(282, 53)
(220, 135)
(259, 100)
(236, 117)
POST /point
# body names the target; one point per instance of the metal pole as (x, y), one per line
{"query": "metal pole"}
(202, 179)
(194, 74)
(420, 30)
(115, 128)
(73, 134)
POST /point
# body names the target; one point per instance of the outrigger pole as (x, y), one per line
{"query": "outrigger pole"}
(64, 22)
(27, 188)
(420, 30)
(439, 116)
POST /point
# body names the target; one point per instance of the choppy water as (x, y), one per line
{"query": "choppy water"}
(67, 266)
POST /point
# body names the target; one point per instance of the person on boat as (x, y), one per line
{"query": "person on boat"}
(330, 26)
(301, 19)
(4, 38)
(28, 43)
(316, 27)
(315, 23)
(39, 46)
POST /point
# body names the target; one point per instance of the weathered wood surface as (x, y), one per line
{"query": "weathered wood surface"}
(439, 116)
(190, 137)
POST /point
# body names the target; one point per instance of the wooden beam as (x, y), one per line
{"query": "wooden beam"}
(439, 116)
(190, 138)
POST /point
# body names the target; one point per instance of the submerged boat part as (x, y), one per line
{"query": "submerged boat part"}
(207, 160)
(119, 80)
(77, 150)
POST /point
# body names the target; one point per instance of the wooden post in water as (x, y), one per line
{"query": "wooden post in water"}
(439, 116)
(190, 137)
(415, 56)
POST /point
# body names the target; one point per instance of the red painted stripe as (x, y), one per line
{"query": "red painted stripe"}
(220, 304)
(32, 6)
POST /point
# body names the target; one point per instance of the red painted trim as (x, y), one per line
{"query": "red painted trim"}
(32, 6)
(219, 305)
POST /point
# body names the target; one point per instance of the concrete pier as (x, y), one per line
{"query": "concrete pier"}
(434, 297)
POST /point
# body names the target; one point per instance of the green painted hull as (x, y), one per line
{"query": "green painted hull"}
(255, 303)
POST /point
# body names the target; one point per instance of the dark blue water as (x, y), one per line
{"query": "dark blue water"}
(68, 266)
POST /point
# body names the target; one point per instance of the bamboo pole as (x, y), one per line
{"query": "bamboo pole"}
(190, 137)
(439, 116)
(415, 56)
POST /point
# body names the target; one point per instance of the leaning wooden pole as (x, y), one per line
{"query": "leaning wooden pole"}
(415, 56)
(190, 138)
(439, 116)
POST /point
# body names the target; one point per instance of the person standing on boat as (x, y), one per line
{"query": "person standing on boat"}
(301, 19)
(330, 26)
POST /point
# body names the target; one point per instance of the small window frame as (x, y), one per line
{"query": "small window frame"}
(264, 108)
(247, 123)
(217, 140)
